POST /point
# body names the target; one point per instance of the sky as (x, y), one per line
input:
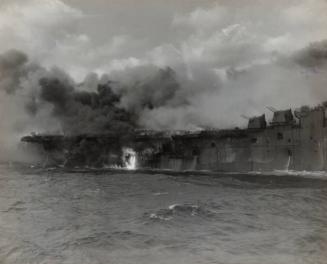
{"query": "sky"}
(84, 36)
(232, 58)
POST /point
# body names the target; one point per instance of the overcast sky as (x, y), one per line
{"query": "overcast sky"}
(102, 35)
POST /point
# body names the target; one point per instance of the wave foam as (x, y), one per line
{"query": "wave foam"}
(181, 210)
(306, 174)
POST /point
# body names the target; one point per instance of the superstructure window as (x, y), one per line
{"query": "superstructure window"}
(280, 136)
(213, 144)
(254, 140)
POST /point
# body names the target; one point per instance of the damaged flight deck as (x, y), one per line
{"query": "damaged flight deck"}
(292, 140)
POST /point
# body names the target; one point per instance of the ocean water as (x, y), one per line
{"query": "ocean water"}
(51, 216)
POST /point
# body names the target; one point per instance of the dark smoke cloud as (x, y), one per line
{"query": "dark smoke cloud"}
(12, 68)
(112, 106)
(86, 112)
(314, 56)
(98, 105)
(159, 89)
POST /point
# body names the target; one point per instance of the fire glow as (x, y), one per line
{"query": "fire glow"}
(129, 158)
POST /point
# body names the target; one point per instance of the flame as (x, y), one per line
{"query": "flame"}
(129, 158)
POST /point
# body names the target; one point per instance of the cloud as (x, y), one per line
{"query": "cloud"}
(201, 18)
(35, 25)
(48, 31)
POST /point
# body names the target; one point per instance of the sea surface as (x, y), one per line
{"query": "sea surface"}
(52, 216)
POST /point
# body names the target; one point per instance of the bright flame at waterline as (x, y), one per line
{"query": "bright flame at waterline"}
(129, 156)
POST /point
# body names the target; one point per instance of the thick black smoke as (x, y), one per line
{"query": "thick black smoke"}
(86, 112)
(106, 107)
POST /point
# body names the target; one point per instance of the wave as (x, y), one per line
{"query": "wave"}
(181, 210)
(99, 239)
(17, 206)
(160, 193)
(304, 174)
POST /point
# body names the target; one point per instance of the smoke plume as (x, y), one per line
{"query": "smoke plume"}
(144, 96)
(100, 106)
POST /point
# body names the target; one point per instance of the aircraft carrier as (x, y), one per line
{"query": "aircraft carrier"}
(292, 140)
